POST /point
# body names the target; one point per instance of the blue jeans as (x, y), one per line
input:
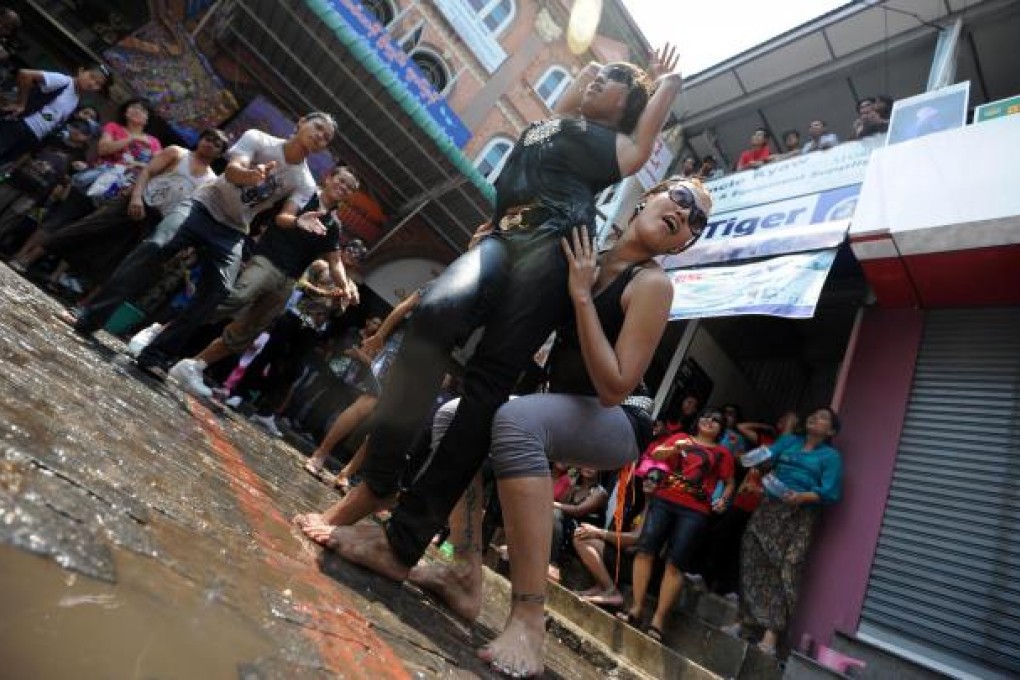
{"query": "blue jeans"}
(219, 251)
(681, 526)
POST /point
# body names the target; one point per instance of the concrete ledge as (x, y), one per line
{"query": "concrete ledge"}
(883, 664)
(800, 667)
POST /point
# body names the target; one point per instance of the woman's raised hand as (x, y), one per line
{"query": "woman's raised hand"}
(663, 62)
(582, 263)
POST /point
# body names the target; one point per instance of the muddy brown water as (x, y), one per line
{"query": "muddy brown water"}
(143, 535)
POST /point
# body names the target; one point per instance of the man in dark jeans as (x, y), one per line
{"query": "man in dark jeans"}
(261, 170)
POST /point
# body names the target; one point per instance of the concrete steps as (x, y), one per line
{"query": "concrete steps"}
(692, 647)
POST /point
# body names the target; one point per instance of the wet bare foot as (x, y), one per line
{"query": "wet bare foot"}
(366, 545)
(458, 585)
(517, 651)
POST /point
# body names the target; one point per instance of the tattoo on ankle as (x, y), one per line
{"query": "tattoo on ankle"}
(528, 597)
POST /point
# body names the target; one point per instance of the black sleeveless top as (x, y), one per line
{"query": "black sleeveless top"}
(569, 375)
(560, 164)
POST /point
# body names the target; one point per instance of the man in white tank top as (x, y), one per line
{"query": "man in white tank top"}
(161, 193)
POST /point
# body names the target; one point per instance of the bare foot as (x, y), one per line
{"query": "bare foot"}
(319, 532)
(366, 545)
(458, 585)
(359, 503)
(67, 316)
(342, 483)
(307, 519)
(594, 590)
(517, 651)
(605, 598)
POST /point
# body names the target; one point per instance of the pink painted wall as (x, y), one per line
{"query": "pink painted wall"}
(872, 408)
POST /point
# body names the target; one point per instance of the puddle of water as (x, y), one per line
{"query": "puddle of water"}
(151, 624)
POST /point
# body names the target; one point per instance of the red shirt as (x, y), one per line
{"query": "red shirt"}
(752, 155)
(136, 151)
(694, 472)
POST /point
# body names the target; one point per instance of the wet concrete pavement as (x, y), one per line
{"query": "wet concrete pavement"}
(144, 535)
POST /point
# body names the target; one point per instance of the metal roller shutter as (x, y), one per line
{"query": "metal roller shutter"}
(945, 583)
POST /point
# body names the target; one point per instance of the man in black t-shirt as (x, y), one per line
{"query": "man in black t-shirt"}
(266, 284)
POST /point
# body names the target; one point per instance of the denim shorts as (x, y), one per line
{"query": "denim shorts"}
(678, 524)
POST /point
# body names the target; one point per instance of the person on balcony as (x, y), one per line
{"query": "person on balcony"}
(758, 154)
(819, 137)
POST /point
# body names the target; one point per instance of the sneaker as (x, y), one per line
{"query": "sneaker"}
(188, 374)
(233, 402)
(267, 423)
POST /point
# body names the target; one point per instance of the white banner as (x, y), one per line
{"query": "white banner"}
(652, 172)
(786, 286)
(810, 173)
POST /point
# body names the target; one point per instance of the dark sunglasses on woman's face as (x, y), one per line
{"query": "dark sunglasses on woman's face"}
(697, 220)
(619, 74)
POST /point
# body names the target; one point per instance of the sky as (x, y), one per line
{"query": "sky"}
(710, 31)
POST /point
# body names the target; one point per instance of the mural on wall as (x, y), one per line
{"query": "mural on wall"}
(162, 65)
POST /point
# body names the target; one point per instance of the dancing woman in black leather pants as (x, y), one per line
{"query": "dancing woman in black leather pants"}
(513, 282)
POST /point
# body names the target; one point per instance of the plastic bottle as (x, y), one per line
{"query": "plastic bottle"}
(756, 456)
(773, 485)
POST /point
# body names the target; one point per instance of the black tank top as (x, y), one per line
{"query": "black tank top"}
(560, 164)
(568, 374)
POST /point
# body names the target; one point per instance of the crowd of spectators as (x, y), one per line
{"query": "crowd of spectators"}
(872, 119)
(79, 195)
(694, 511)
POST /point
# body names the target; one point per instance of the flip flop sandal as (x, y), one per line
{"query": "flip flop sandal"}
(629, 619)
(655, 634)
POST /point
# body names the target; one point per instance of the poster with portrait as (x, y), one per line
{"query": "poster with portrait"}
(161, 64)
(928, 113)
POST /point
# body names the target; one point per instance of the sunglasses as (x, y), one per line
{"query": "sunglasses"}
(718, 419)
(618, 74)
(697, 220)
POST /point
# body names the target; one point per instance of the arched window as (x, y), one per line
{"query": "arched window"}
(490, 161)
(432, 67)
(382, 10)
(552, 84)
(495, 14)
